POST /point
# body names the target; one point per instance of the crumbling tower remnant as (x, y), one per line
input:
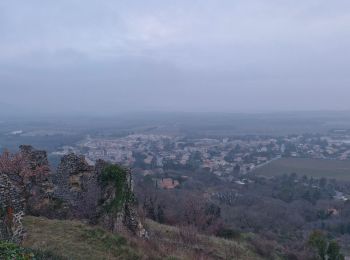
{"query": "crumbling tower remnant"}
(11, 211)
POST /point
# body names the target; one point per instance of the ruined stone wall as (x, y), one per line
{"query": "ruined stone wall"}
(79, 185)
(76, 183)
(36, 158)
(73, 191)
(38, 187)
(126, 219)
(70, 180)
(11, 211)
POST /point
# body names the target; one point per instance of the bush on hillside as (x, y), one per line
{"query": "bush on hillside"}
(10, 251)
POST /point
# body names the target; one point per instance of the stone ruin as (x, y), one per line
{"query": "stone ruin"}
(74, 191)
(11, 211)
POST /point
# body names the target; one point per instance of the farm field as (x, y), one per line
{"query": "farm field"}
(317, 168)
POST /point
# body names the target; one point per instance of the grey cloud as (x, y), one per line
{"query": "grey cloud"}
(106, 56)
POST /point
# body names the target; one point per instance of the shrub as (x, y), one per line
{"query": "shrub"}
(325, 248)
(228, 233)
(117, 176)
(265, 248)
(12, 251)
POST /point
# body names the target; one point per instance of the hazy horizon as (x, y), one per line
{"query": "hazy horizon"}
(102, 58)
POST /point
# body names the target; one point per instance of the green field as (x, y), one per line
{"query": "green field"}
(316, 168)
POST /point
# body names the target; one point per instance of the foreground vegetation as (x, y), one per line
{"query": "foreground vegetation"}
(76, 240)
(281, 212)
(62, 240)
(10, 251)
(187, 243)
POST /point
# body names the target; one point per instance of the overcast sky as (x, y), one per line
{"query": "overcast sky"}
(167, 55)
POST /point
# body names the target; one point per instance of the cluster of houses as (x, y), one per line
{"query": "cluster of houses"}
(221, 156)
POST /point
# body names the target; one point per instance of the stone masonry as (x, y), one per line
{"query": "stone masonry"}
(11, 211)
(74, 191)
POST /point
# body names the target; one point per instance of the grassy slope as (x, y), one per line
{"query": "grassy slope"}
(75, 240)
(185, 244)
(316, 168)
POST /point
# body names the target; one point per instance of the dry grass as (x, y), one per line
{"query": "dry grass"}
(75, 240)
(186, 243)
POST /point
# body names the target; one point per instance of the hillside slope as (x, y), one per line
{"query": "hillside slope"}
(76, 240)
